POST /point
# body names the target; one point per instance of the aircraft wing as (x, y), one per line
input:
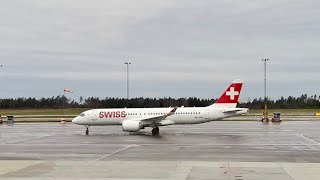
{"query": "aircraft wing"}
(158, 120)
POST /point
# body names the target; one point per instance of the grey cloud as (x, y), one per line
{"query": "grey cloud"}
(177, 48)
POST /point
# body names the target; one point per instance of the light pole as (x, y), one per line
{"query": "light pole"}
(265, 79)
(0, 100)
(127, 63)
(66, 90)
(265, 113)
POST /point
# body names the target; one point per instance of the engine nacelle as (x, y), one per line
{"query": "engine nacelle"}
(131, 126)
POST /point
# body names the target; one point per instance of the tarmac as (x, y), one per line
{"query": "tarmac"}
(251, 117)
(228, 150)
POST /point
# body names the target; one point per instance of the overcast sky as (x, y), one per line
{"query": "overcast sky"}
(178, 48)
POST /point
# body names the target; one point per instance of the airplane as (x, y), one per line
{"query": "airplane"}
(135, 119)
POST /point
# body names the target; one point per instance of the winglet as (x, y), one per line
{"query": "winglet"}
(171, 112)
(174, 110)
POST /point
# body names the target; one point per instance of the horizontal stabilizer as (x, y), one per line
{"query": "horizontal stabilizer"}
(231, 110)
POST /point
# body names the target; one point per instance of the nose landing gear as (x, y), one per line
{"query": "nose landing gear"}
(87, 131)
(155, 131)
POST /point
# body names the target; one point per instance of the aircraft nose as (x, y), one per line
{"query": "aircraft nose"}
(75, 120)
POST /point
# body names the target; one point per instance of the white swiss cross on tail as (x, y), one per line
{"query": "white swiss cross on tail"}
(230, 97)
(232, 93)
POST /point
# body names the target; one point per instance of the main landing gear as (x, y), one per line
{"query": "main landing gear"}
(155, 131)
(87, 131)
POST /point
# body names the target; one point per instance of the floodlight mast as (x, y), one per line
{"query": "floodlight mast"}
(127, 63)
(265, 113)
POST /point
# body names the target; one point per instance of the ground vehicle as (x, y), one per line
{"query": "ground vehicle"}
(276, 117)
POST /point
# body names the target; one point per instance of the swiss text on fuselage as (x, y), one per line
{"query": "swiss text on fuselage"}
(112, 114)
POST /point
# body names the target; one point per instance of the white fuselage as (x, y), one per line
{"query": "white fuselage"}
(183, 115)
(134, 119)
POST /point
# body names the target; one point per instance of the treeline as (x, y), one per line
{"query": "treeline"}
(302, 102)
(57, 102)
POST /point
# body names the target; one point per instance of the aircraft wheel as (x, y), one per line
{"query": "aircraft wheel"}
(155, 131)
(87, 131)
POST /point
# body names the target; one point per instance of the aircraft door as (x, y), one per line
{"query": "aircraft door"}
(207, 114)
(94, 116)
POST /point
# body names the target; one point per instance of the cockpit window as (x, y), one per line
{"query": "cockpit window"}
(82, 114)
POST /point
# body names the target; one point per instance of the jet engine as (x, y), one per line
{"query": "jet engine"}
(131, 126)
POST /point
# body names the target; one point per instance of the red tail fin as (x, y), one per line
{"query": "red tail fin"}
(230, 97)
